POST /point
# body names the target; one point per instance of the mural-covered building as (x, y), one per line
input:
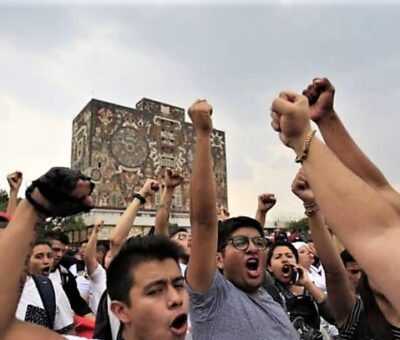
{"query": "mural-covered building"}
(119, 147)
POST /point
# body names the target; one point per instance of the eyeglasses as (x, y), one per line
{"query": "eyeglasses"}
(243, 242)
(183, 236)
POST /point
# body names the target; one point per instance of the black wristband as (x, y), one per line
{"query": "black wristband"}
(140, 198)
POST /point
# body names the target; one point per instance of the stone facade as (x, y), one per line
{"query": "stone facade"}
(119, 147)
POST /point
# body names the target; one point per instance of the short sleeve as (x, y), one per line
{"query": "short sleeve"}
(204, 306)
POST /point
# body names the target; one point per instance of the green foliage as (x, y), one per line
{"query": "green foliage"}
(3, 200)
(67, 223)
(299, 225)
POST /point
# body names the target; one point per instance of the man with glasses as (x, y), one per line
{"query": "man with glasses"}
(227, 300)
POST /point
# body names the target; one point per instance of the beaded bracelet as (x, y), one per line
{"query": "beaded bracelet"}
(306, 147)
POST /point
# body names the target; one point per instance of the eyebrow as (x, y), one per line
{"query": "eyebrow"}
(164, 282)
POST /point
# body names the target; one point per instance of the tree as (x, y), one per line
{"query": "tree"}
(301, 226)
(3, 200)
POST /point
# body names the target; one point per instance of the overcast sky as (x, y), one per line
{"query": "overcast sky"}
(239, 55)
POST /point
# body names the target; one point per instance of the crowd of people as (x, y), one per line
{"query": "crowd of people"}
(224, 277)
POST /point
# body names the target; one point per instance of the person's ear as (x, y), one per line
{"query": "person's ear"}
(220, 261)
(120, 310)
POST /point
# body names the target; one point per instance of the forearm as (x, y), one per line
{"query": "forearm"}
(316, 293)
(90, 252)
(260, 216)
(356, 212)
(162, 217)
(344, 147)
(121, 232)
(203, 193)
(203, 217)
(323, 242)
(12, 202)
(16, 242)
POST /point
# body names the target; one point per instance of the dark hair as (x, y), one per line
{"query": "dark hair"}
(41, 240)
(135, 251)
(346, 257)
(226, 228)
(373, 323)
(174, 230)
(58, 236)
(281, 244)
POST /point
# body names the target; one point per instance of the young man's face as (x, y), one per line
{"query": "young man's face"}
(159, 303)
(354, 273)
(244, 268)
(59, 250)
(41, 260)
(183, 238)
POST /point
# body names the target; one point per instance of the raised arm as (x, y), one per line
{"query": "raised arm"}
(340, 294)
(365, 222)
(265, 203)
(91, 248)
(203, 215)
(172, 178)
(14, 181)
(16, 239)
(121, 231)
(321, 97)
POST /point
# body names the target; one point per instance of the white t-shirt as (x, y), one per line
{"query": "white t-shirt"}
(30, 307)
(98, 281)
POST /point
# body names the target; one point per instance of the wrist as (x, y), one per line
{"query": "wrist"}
(140, 197)
(327, 117)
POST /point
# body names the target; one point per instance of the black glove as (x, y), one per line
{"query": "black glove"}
(57, 186)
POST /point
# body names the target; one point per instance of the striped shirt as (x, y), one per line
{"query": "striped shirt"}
(349, 328)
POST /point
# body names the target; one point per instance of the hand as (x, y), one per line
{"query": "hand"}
(222, 213)
(266, 202)
(290, 117)
(14, 181)
(200, 113)
(304, 278)
(320, 96)
(61, 192)
(301, 188)
(172, 178)
(150, 187)
(98, 225)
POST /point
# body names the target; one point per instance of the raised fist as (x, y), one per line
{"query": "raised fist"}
(222, 213)
(290, 117)
(172, 178)
(14, 180)
(98, 225)
(150, 187)
(320, 96)
(266, 202)
(200, 113)
(61, 192)
(301, 188)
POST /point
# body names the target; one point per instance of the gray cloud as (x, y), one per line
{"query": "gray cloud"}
(55, 58)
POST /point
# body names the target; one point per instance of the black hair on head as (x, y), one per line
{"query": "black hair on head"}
(346, 257)
(41, 240)
(135, 251)
(58, 236)
(226, 228)
(282, 244)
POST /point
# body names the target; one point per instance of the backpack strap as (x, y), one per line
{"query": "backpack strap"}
(48, 297)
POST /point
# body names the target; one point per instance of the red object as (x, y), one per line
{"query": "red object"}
(5, 216)
(84, 327)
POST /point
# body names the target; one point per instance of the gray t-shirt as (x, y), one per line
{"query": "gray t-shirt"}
(225, 312)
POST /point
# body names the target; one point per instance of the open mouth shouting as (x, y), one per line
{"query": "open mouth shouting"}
(253, 267)
(179, 325)
(46, 271)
